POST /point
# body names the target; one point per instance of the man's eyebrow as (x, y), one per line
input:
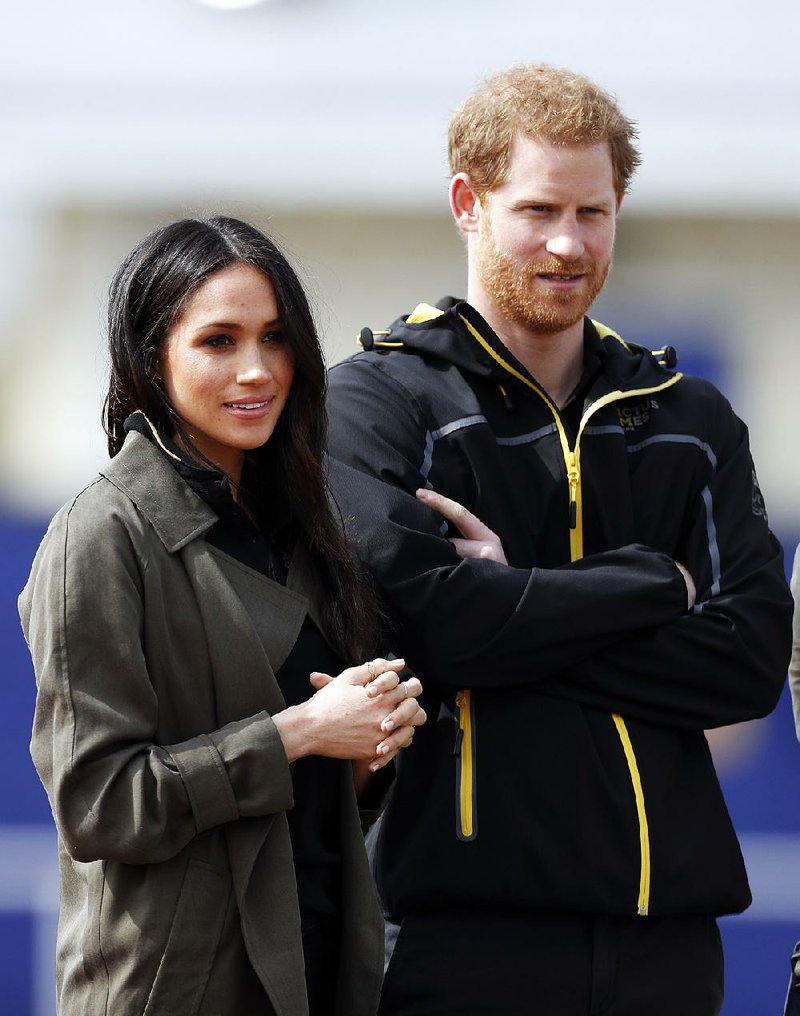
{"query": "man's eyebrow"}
(531, 200)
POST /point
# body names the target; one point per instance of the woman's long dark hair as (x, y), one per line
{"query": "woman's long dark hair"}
(147, 295)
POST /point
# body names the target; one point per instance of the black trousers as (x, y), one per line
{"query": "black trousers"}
(521, 963)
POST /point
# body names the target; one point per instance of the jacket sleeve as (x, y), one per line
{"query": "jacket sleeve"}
(117, 794)
(726, 660)
(794, 666)
(471, 623)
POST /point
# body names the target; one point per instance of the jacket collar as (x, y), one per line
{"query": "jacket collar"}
(455, 332)
(142, 473)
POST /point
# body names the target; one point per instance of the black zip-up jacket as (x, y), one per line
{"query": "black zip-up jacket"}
(564, 765)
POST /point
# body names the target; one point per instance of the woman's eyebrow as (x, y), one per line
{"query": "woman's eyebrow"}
(238, 324)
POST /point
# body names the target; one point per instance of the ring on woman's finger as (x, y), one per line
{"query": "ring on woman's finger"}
(404, 686)
(371, 669)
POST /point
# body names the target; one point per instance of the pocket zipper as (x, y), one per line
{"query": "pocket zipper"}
(464, 750)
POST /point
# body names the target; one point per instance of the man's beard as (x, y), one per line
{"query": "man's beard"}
(521, 297)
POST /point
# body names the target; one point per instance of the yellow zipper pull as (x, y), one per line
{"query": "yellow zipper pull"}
(459, 723)
(572, 476)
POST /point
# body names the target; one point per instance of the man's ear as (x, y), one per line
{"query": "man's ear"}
(464, 203)
(619, 201)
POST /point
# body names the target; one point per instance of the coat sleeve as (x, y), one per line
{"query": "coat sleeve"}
(794, 666)
(726, 660)
(117, 794)
(471, 623)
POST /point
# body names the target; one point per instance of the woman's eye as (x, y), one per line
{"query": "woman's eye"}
(274, 337)
(218, 341)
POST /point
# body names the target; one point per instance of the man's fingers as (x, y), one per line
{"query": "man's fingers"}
(691, 591)
(466, 523)
(472, 548)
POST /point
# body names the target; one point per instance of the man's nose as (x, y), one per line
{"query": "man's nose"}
(565, 242)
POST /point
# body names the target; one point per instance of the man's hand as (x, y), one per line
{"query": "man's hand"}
(690, 586)
(478, 540)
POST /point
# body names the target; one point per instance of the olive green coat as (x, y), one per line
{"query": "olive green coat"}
(155, 657)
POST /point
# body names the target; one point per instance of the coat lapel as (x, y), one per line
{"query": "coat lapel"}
(276, 613)
(251, 624)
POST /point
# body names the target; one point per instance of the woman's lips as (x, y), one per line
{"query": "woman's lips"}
(250, 409)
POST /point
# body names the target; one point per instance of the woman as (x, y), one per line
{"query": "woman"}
(174, 612)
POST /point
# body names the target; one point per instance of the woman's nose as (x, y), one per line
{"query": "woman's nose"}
(253, 368)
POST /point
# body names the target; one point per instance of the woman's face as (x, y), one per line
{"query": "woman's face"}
(225, 366)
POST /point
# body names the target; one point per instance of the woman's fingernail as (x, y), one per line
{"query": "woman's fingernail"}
(388, 725)
(374, 767)
(383, 749)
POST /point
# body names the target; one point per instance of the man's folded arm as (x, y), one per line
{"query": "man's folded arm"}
(471, 622)
(726, 660)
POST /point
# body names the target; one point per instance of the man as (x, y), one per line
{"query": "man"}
(557, 843)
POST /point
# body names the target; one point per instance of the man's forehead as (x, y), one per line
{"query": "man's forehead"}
(533, 145)
(544, 161)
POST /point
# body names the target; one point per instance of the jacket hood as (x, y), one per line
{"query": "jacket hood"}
(454, 332)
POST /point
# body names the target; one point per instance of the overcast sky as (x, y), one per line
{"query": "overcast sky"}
(346, 101)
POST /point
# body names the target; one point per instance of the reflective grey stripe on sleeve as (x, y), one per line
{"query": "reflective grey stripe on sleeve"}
(708, 501)
(470, 421)
(433, 436)
(527, 438)
(713, 546)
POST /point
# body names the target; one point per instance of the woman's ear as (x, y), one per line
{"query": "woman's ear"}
(152, 363)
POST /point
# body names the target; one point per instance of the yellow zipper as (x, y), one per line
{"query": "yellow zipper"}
(572, 459)
(643, 903)
(466, 825)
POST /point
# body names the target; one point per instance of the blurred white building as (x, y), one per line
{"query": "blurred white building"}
(324, 120)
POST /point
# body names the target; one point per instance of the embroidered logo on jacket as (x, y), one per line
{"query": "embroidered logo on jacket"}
(759, 505)
(636, 414)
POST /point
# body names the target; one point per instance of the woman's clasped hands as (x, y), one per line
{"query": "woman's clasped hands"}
(366, 713)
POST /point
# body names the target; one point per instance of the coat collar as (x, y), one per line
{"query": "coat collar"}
(142, 473)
